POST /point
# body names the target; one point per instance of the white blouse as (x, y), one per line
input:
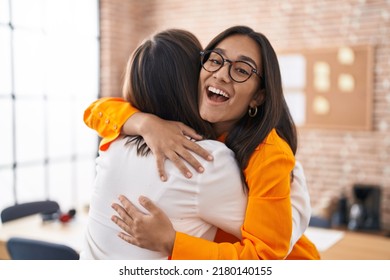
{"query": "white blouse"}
(197, 206)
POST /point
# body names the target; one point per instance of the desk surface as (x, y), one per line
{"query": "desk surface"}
(359, 246)
(33, 227)
(348, 245)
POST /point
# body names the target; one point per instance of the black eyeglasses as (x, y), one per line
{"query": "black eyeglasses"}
(239, 71)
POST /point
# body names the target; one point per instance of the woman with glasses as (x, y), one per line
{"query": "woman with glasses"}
(186, 203)
(240, 94)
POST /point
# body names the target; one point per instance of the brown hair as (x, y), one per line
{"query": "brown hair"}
(162, 79)
(249, 132)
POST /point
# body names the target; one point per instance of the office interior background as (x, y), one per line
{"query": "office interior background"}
(57, 56)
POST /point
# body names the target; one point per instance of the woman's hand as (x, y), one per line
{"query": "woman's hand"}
(168, 140)
(153, 231)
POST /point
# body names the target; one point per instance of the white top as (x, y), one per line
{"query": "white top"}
(195, 206)
(300, 203)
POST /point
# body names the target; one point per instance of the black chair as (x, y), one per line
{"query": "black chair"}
(29, 249)
(25, 209)
(320, 222)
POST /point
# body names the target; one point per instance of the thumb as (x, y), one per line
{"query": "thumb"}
(149, 205)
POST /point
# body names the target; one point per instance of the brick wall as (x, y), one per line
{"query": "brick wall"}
(123, 25)
(333, 159)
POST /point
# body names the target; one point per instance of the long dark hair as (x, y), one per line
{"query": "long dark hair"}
(249, 132)
(162, 79)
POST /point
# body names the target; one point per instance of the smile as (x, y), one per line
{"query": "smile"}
(216, 94)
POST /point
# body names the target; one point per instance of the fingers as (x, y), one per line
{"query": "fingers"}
(127, 213)
(181, 154)
(172, 143)
(153, 231)
(149, 205)
(197, 149)
(176, 160)
(187, 131)
(129, 218)
(179, 163)
(129, 209)
(125, 236)
(128, 238)
(122, 224)
(190, 132)
(160, 159)
(125, 220)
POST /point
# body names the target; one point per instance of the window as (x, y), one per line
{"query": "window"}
(49, 74)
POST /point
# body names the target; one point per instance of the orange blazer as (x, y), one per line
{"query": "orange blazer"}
(267, 227)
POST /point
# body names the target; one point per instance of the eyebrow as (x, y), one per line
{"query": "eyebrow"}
(241, 57)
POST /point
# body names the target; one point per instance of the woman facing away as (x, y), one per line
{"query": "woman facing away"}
(240, 94)
(168, 61)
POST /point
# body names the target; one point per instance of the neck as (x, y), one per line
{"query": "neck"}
(221, 128)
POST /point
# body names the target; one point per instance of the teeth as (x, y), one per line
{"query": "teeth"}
(218, 91)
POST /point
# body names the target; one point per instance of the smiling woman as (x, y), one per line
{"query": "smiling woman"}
(127, 167)
(252, 118)
(244, 58)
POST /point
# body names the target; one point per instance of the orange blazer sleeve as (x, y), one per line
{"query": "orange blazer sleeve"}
(107, 116)
(267, 227)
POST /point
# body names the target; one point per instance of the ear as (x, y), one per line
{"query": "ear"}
(257, 99)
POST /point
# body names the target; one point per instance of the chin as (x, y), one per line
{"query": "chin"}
(207, 117)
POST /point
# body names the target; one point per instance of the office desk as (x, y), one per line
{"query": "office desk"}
(70, 234)
(348, 245)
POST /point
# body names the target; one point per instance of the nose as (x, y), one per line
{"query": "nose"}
(223, 73)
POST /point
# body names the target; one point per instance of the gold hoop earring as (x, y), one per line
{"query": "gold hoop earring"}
(252, 112)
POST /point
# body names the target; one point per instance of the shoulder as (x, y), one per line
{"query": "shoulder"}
(274, 139)
(224, 163)
(223, 156)
(273, 150)
(117, 153)
(216, 148)
(118, 145)
(273, 143)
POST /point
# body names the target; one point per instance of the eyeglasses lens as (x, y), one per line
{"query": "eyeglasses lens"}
(239, 71)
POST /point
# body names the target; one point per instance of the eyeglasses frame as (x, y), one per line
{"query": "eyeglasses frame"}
(224, 60)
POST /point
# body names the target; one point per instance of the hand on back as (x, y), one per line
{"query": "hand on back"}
(170, 140)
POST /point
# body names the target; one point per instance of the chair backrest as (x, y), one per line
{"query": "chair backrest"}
(320, 222)
(25, 209)
(29, 249)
